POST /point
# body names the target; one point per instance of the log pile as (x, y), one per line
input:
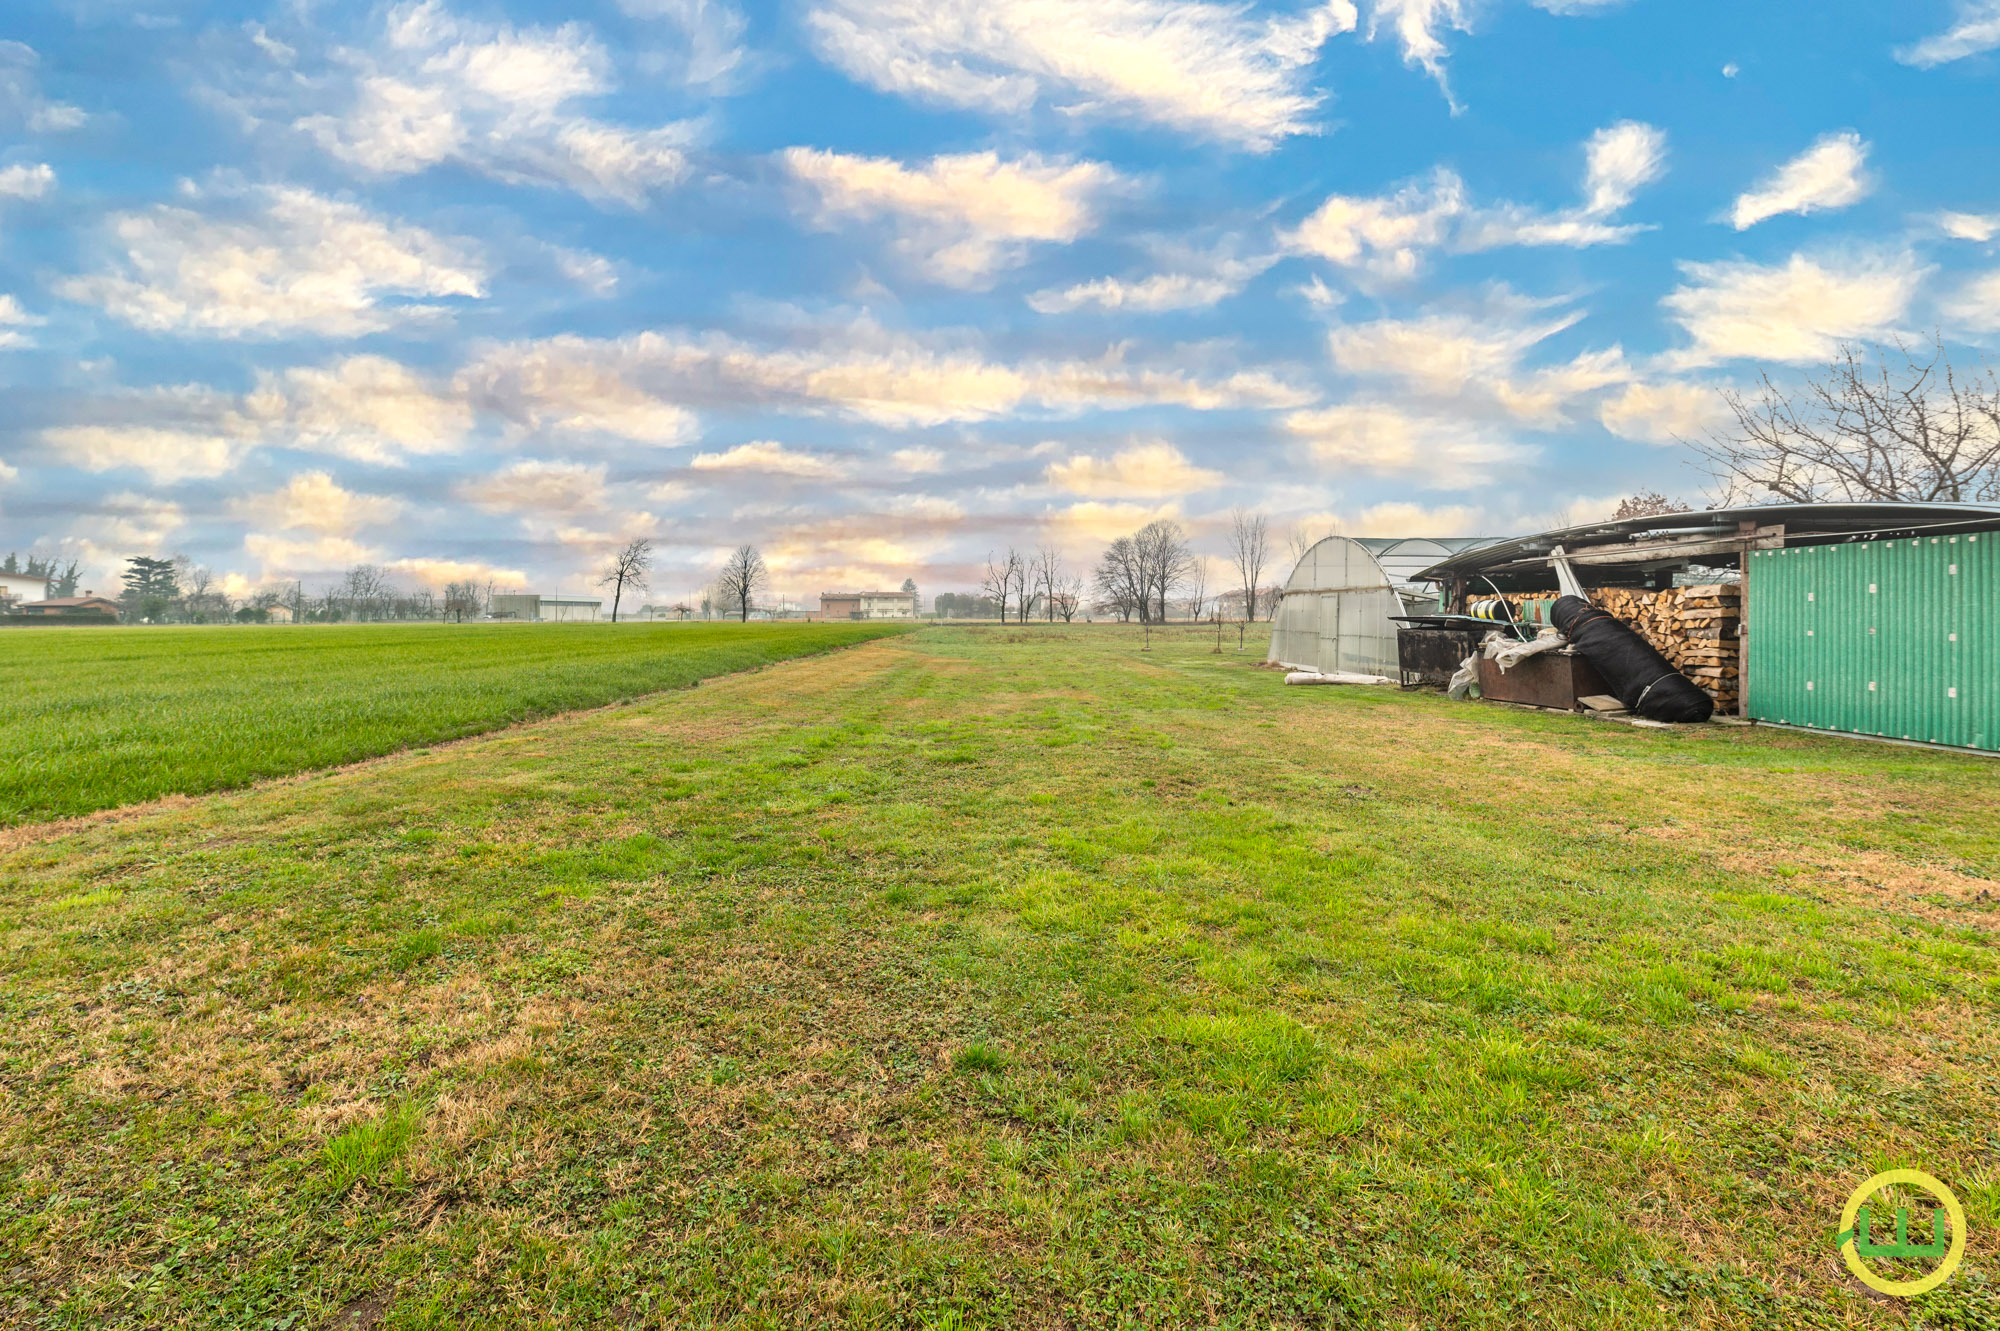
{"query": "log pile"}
(1695, 628)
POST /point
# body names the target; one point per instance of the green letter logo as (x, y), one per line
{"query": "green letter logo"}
(1856, 1242)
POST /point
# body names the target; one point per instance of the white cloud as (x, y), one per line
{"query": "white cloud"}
(1150, 470)
(368, 408)
(960, 217)
(714, 35)
(27, 180)
(1202, 281)
(918, 461)
(1388, 236)
(111, 530)
(293, 262)
(1539, 397)
(1827, 175)
(1977, 305)
(1977, 30)
(1796, 311)
(573, 386)
(290, 556)
(1979, 227)
(544, 489)
(439, 572)
(1096, 521)
(1212, 70)
(1478, 360)
(771, 459)
(1416, 24)
(495, 99)
(12, 320)
(864, 372)
(21, 100)
(1441, 354)
(314, 501)
(592, 272)
(1664, 412)
(166, 455)
(1619, 160)
(1436, 452)
(1400, 518)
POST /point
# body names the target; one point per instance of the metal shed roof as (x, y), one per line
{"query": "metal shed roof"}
(1404, 557)
(1678, 538)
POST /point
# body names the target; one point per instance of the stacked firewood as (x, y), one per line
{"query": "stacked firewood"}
(1695, 628)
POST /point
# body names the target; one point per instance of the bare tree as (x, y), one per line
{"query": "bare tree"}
(1164, 557)
(1249, 549)
(742, 575)
(1647, 504)
(629, 568)
(1862, 429)
(1067, 597)
(461, 599)
(998, 581)
(1195, 586)
(1049, 574)
(366, 590)
(1022, 575)
(1304, 537)
(1120, 581)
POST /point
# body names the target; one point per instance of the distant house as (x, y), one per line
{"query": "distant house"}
(23, 587)
(868, 605)
(88, 608)
(279, 614)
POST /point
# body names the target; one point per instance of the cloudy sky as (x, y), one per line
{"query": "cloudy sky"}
(484, 289)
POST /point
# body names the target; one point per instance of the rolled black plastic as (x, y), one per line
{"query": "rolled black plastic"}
(1643, 680)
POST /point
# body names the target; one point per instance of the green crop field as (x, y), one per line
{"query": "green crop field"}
(1007, 978)
(101, 717)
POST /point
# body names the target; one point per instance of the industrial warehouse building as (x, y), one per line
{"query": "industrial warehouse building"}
(868, 605)
(548, 609)
(1870, 619)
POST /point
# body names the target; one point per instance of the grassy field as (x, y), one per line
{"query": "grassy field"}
(101, 717)
(1008, 978)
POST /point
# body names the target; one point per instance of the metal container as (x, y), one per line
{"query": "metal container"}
(1896, 638)
(1432, 656)
(1559, 679)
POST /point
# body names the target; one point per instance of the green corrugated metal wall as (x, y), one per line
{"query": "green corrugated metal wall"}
(1894, 638)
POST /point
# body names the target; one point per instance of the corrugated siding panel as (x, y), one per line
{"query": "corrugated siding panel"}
(1893, 638)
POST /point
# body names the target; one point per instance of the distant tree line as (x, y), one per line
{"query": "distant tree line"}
(178, 590)
(1150, 576)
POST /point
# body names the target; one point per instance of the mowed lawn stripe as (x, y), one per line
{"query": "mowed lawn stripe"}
(103, 717)
(1008, 978)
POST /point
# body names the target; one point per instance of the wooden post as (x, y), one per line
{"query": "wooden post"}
(1743, 640)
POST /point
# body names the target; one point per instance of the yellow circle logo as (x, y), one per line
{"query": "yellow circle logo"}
(1859, 1227)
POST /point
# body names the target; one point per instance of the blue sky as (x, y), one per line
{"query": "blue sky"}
(484, 290)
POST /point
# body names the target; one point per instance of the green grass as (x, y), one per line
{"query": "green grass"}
(102, 717)
(1008, 978)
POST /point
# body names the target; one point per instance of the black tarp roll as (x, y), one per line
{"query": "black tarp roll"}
(1644, 681)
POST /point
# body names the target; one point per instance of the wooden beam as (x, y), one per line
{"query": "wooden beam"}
(1763, 538)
